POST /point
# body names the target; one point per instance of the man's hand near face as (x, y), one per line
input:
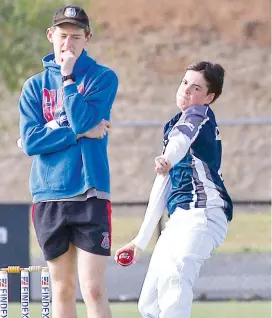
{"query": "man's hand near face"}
(68, 60)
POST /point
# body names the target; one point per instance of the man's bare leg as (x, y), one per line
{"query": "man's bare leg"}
(63, 281)
(91, 272)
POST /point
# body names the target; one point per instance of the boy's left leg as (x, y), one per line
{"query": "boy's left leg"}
(176, 281)
(190, 237)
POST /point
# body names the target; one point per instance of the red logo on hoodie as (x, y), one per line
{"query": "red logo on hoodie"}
(53, 99)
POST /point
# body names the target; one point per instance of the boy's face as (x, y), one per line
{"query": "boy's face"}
(67, 37)
(193, 91)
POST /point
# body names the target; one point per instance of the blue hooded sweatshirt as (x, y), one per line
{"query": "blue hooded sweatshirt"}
(64, 166)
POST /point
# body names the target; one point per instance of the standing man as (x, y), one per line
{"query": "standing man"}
(64, 120)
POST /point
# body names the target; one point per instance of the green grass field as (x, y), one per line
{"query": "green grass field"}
(248, 232)
(200, 310)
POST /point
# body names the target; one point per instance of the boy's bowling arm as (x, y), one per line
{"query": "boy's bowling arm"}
(156, 206)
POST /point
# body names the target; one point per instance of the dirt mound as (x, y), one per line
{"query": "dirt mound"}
(148, 44)
(235, 20)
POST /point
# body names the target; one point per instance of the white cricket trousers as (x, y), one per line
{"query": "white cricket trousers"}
(187, 241)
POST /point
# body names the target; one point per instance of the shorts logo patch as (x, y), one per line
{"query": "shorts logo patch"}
(106, 241)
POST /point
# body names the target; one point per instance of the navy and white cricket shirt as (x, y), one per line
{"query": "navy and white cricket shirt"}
(196, 180)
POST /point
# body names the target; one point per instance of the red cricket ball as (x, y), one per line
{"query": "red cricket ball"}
(125, 258)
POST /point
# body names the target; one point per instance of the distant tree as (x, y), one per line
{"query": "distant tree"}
(23, 24)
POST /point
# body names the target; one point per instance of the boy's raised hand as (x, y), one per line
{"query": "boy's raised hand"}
(162, 165)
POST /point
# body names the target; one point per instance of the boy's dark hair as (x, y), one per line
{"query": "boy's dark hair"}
(213, 75)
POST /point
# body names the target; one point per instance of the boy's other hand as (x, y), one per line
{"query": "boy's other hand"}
(162, 165)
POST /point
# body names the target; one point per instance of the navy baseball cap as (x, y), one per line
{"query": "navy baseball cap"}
(71, 14)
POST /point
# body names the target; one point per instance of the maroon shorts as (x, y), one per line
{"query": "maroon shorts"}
(85, 224)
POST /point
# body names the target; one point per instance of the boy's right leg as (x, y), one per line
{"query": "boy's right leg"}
(63, 282)
(148, 302)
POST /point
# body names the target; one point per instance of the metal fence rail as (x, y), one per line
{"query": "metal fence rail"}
(235, 202)
(226, 122)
